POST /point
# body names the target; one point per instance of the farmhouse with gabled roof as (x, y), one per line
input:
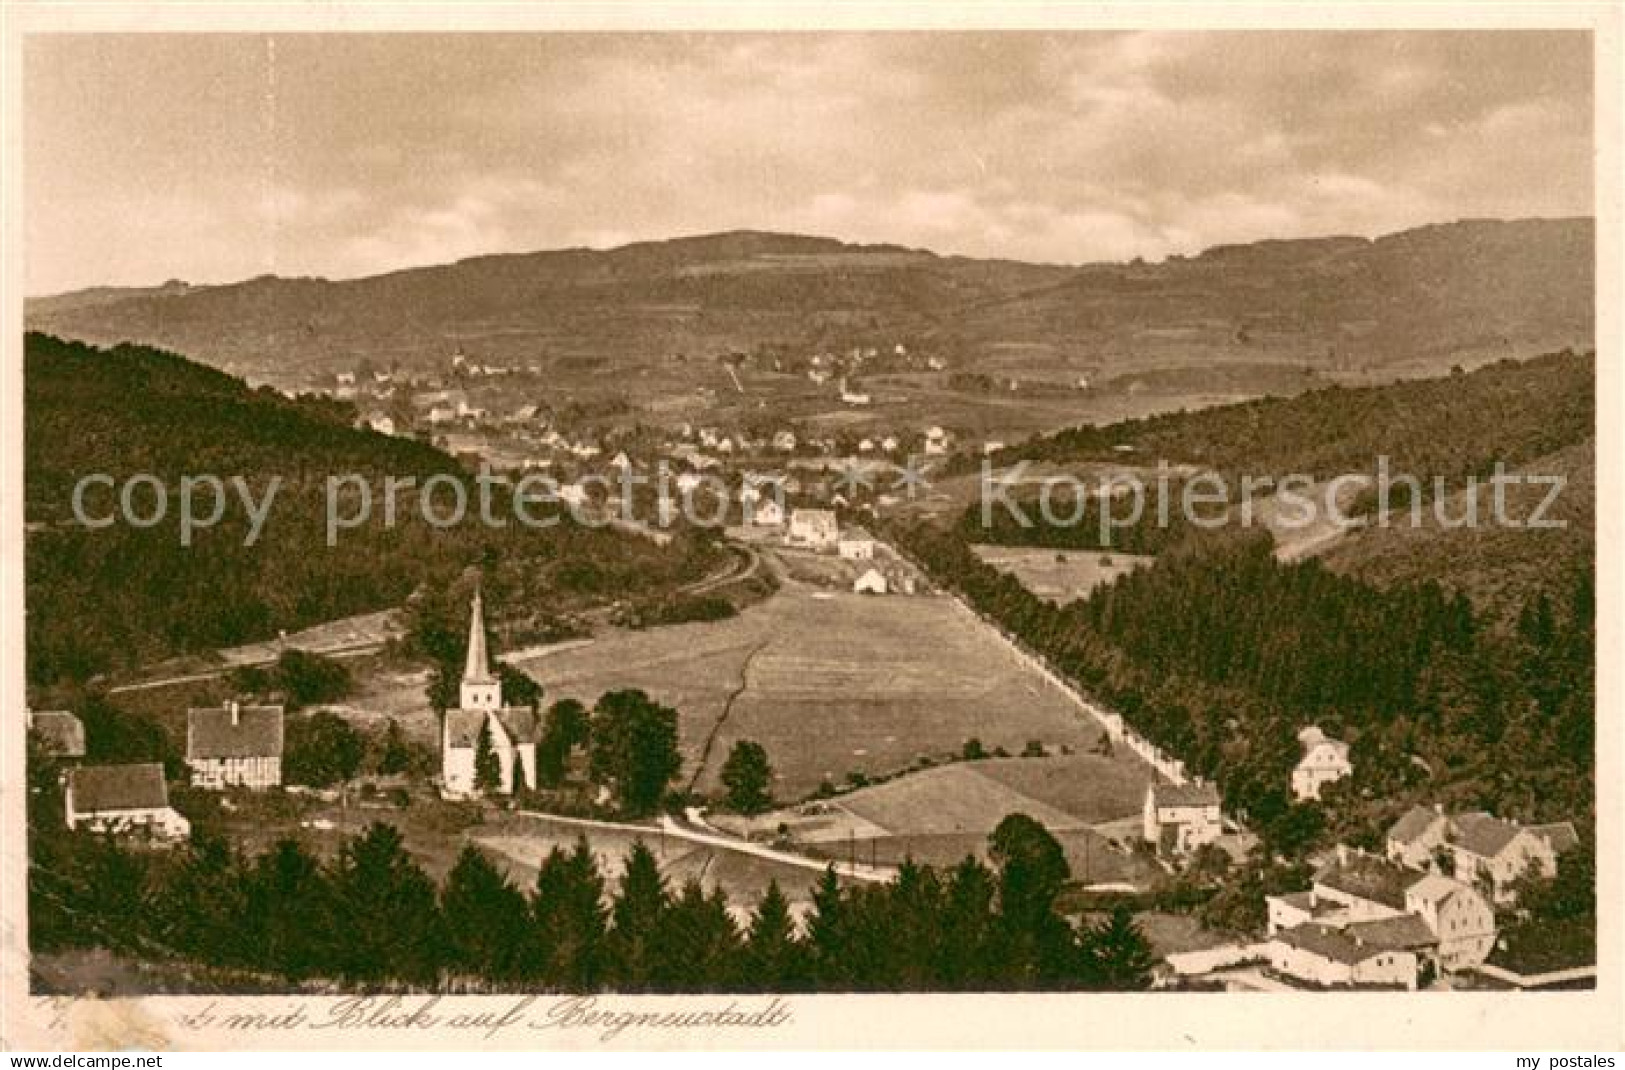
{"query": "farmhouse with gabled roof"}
(121, 799)
(234, 746)
(1179, 818)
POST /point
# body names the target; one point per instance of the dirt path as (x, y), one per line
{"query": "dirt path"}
(727, 708)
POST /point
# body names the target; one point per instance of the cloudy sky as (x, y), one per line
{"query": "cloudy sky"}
(213, 158)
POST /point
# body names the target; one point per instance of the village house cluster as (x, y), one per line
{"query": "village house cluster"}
(231, 746)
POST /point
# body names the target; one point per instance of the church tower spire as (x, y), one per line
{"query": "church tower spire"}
(479, 689)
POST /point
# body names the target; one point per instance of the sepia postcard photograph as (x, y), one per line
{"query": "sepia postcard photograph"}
(656, 527)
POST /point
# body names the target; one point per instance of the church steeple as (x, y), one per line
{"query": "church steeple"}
(479, 689)
(477, 669)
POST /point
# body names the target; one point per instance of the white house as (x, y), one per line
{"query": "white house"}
(512, 730)
(871, 582)
(813, 529)
(1336, 958)
(122, 799)
(235, 746)
(1324, 760)
(1459, 917)
(1478, 846)
(856, 544)
(1179, 818)
(936, 441)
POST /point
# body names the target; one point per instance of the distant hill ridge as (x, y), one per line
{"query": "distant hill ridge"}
(1480, 288)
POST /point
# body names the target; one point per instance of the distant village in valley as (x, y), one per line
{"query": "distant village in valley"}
(508, 416)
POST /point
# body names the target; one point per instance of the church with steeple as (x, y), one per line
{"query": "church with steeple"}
(513, 730)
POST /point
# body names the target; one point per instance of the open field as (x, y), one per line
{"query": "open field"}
(953, 798)
(1060, 575)
(830, 685)
(1091, 788)
(939, 815)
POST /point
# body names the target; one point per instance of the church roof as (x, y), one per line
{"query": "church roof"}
(520, 723)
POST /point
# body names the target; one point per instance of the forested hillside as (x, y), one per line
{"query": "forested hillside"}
(1220, 654)
(1536, 418)
(1457, 661)
(104, 599)
(1452, 426)
(1500, 568)
(1420, 299)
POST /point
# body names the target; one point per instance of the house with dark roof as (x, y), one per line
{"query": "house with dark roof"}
(1331, 957)
(1377, 902)
(55, 734)
(855, 544)
(1179, 818)
(1353, 887)
(1489, 849)
(1479, 847)
(121, 799)
(1416, 836)
(512, 732)
(235, 746)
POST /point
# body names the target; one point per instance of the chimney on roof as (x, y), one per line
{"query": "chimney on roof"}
(236, 713)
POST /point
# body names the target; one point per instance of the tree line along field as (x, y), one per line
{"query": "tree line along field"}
(830, 685)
